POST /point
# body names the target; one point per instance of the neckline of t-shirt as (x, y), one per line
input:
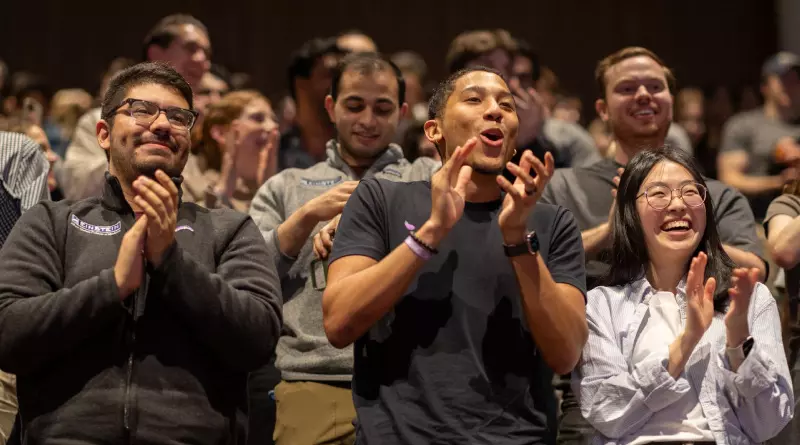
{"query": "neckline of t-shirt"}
(483, 206)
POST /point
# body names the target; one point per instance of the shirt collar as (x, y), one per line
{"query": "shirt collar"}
(114, 199)
(391, 155)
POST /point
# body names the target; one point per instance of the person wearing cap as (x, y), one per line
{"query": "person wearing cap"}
(759, 151)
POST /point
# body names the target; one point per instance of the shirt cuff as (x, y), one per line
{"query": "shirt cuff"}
(756, 373)
(660, 389)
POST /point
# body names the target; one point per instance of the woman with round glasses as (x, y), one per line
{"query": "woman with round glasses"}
(683, 347)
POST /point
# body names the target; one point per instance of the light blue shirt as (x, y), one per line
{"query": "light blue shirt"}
(619, 397)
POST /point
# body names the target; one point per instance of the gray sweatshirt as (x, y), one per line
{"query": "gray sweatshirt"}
(303, 351)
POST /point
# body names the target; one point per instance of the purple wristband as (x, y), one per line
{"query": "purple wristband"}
(418, 250)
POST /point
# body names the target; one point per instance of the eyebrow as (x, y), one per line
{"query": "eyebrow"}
(482, 90)
(681, 184)
(361, 99)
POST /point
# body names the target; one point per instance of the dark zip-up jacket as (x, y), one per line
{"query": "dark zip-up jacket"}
(167, 366)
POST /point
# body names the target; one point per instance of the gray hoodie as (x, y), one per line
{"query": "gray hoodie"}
(303, 351)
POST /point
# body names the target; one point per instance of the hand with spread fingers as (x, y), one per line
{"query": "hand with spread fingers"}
(323, 240)
(700, 298)
(158, 199)
(744, 281)
(448, 187)
(522, 195)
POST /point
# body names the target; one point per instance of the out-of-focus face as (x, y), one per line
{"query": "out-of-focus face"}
(523, 71)
(319, 83)
(498, 59)
(357, 43)
(674, 232)
(210, 91)
(138, 149)
(638, 102)
(692, 119)
(784, 91)
(252, 133)
(366, 113)
(38, 135)
(481, 105)
(189, 53)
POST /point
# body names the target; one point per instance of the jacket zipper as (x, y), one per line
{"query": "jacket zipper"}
(137, 303)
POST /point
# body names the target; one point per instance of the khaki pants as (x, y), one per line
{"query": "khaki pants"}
(314, 413)
(8, 404)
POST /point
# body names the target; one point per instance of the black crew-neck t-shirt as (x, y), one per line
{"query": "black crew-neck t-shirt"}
(454, 362)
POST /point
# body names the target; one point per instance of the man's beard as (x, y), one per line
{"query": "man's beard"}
(487, 171)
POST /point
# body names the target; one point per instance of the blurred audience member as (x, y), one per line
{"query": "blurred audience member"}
(18, 124)
(309, 82)
(526, 69)
(568, 109)
(548, 86)
(117, 64)
(287, 113)
(749, 98)
(239, 152)
(212, 87)
(782, 226)
(755, 157)
(66, 108)
(180, 40)
(414, 70)
(691, 116)
(241, 81)
(719, 108)
(602, 137)
(355, 41)
(24, 180)
(416, 145)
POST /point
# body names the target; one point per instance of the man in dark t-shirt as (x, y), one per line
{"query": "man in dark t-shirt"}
(462, 295)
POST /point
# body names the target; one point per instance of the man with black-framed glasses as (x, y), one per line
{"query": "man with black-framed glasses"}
(135, 317)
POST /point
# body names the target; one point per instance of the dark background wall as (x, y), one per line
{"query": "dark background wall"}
(706, 41)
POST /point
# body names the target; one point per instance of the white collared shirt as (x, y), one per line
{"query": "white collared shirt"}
(622, 398)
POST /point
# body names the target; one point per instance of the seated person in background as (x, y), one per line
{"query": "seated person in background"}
(750, 157)
(16, 124)
(683, 346)
(23, 183)
(782, 226)
(239, 152)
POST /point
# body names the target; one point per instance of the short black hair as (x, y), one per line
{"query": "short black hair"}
(24, 83)
(165, 31)
(304, 59)
(445, 89)
(524, 49)
(367, 63)
(140, 74)
(629, 254)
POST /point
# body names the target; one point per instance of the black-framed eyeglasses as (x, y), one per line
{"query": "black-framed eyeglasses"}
(659, 196)
(146, 112)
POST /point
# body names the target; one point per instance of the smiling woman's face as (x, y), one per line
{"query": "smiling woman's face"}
(671, 233)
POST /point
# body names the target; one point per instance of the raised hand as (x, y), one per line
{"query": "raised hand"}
(744, 281)
(448, 187)
(268, 158)
(531, 112)
(521, 196)
(159, 201)
(128, 270)
(700, 304)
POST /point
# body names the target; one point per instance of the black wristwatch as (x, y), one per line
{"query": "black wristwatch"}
(529, 246)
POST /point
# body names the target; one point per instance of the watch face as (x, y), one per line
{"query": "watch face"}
(533, 242)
